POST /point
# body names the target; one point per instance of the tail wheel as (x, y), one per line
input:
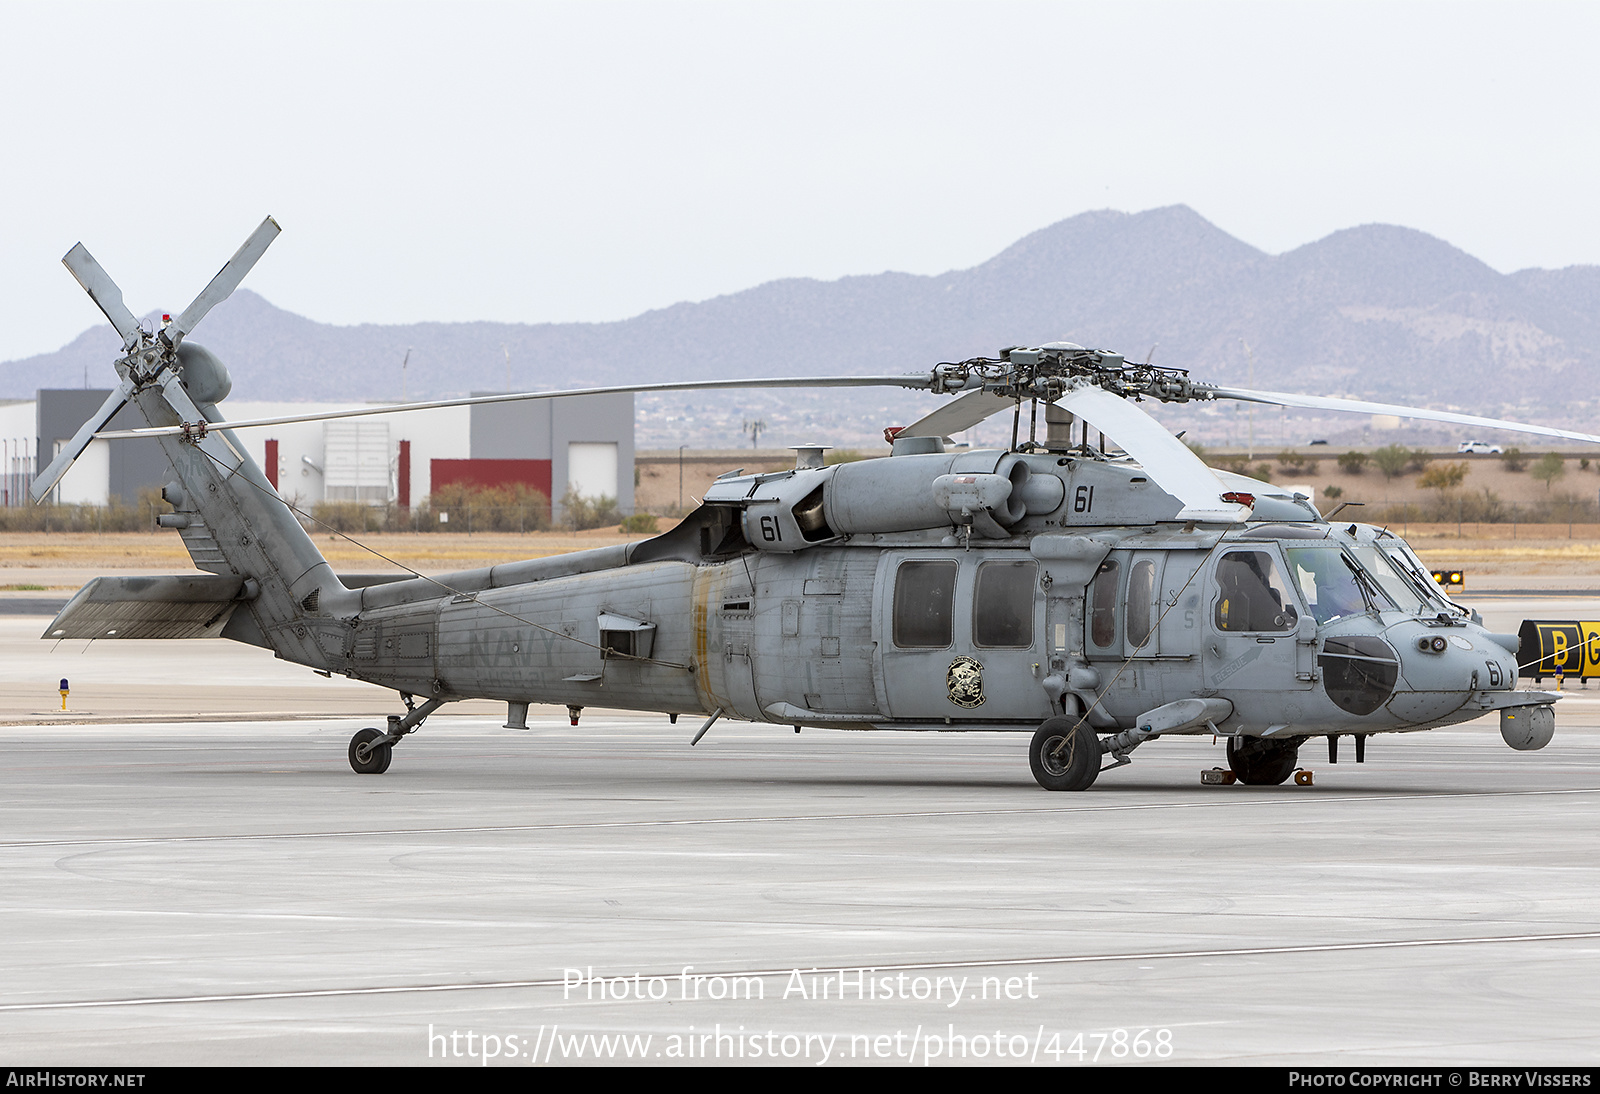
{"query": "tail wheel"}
(367, 758)
(1262, 763)
(1065, 754)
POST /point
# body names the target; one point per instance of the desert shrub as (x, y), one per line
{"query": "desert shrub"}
(1353, 463)
(1391, 460)
(1293, 463)
(1332, 493)
(1564, 506)
(513, 508)
(347, 516)
(639, 524)
(1514, 459)
(116, 517)
(1443, 476)
(1549, 468)
(579, 512)
(1471, 507)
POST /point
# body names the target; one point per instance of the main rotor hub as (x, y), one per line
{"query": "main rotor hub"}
(1048, 372)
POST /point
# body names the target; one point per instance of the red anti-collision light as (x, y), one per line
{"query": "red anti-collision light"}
(893, 431)
(1237, 498)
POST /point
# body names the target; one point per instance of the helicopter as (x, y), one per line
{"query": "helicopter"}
(1096, 599)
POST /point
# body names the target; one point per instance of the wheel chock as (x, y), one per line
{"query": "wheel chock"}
(1302, 777)
(1217, 776)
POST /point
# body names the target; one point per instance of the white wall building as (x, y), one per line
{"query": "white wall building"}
(587, 441)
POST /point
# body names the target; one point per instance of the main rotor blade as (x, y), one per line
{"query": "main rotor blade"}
(913, 381)
(102, 290)
(1166, 459)
(1320, 402)
(226, 281)
(46, 480)
(963, 413)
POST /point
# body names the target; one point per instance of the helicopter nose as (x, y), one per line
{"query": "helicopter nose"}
(1455, 661)
(1433, 682)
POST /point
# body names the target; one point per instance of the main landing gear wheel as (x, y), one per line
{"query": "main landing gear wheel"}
(367, 758)
(1262, 763)
(1065, 755)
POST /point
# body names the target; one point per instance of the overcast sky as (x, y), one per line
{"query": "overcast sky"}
(589, 161)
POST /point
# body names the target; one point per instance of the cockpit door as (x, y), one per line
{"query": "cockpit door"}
(1253, 622)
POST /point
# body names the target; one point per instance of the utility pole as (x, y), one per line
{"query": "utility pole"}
(754, 429)
(403, 363)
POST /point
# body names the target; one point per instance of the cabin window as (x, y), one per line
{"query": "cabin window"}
(924, 604)
(1141, 597)
(1002, 606)
(1103, 604)
(1252, 594)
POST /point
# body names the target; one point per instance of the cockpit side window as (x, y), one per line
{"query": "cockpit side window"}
(1328, 579)
(1252, 594)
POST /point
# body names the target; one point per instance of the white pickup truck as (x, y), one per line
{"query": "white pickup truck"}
(1478, 448)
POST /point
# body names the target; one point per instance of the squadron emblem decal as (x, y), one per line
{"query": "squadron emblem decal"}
(964, 679)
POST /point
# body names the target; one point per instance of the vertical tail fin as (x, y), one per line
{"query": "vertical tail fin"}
(233, 522)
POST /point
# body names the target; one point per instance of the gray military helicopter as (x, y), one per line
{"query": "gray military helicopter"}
(1096, 600)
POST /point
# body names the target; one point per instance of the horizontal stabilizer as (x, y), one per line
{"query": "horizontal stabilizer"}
(186, 606)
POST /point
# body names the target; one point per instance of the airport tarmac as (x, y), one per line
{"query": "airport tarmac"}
(204, 890)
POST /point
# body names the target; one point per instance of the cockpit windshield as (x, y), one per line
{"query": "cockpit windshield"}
(1329, 581)
(1410, 566)
(1398, 589)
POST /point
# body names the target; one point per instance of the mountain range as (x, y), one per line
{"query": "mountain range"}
(1376, 312)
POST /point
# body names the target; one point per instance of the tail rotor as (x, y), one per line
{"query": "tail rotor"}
(146, 357)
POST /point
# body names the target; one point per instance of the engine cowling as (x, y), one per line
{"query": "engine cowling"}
(990, 491)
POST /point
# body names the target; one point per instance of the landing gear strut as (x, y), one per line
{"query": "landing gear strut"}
(372, 749)
(1260, 762)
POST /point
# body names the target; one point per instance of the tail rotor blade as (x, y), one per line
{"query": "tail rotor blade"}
(102, 290)
(227, 279)
(47, 479)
